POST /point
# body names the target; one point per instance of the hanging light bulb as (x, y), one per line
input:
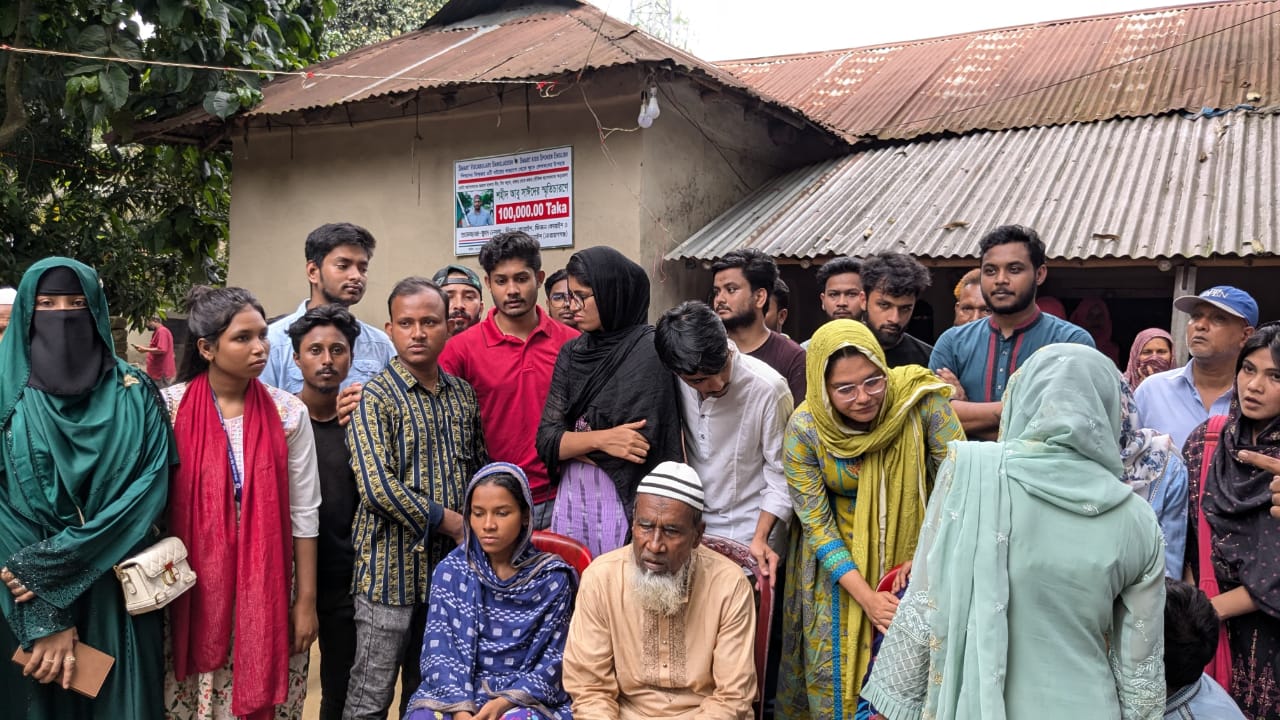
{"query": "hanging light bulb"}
(649, 110)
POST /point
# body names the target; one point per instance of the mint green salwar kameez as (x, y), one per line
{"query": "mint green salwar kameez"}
(1037, 589)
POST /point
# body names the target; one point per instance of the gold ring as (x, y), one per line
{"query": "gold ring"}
(49, 661)
(69, 660)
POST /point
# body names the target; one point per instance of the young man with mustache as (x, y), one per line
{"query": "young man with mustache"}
(338, 256)
(415, 441)
(740, 292)
(978, 358)
(466, 304)
(508, 358)
(322, 340)
(893, 282)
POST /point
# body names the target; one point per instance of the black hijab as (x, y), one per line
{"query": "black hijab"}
(612, 375)
(67, 355)
(1237, 504)
(621, 290)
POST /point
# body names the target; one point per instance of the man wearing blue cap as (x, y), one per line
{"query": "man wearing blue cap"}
(1176, 401)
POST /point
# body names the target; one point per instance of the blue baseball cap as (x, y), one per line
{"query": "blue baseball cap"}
(1226, 298)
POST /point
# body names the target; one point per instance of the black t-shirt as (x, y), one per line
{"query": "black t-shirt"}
(338, 501)
(908, 351)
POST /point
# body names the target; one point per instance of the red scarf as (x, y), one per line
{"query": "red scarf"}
(243, 567)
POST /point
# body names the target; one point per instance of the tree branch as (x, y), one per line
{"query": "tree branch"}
(15, 112)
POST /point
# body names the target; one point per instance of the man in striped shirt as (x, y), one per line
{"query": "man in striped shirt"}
(415, 442)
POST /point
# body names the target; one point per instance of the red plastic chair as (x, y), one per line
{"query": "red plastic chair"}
(886, 582)
(573, 552)
(741, 555)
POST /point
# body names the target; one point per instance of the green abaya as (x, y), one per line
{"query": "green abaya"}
(83, 480)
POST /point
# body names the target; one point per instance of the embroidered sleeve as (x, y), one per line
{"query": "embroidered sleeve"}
(900, 678)
(1137, 646)
(943, 427)
(809, 497)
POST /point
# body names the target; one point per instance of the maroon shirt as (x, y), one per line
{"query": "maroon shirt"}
(160, 365)
(787, 357)
(511, 378)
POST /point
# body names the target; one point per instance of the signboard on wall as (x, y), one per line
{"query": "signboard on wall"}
(530, 191)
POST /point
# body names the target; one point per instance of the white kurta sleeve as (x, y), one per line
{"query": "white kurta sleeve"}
(304, 481)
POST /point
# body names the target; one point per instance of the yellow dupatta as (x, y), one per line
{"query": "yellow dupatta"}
(893, 484)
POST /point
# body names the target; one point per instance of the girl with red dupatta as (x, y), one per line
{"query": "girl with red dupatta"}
(245, 500)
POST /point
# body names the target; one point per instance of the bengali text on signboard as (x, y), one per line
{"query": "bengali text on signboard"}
(530, 191)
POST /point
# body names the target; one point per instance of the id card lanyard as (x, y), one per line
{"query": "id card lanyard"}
(236, 479)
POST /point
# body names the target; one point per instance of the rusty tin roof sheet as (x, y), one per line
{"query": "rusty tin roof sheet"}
(1079, 70)
(1153, 187)
(506, 41)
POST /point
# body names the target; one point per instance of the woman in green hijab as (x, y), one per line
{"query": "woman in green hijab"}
(860, 455)
(84, 470)
(1038, 587)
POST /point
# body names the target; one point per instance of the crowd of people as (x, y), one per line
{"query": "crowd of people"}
(1004, 523)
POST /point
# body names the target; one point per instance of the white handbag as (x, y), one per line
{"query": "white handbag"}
(154, 577)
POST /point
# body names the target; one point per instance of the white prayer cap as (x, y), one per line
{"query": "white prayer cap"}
(8, 295)
(676, 481)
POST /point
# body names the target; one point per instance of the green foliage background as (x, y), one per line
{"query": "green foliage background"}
(74, 181)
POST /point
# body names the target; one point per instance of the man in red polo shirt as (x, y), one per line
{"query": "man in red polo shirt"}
(508, 358)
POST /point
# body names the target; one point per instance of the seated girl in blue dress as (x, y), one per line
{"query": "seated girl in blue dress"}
(499, 614)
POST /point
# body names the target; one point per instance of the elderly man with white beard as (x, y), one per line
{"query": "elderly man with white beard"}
(663, 627)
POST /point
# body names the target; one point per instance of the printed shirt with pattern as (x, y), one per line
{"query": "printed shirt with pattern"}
(413, 451)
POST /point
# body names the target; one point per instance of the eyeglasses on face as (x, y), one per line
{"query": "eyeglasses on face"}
(560, 298)
(872, 386)
(579, 298)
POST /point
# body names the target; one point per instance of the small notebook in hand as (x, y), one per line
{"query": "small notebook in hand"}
(92, 666)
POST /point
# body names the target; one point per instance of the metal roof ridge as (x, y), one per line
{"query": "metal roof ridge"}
(913, 42)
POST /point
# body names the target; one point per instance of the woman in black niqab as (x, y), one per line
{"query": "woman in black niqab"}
(67, 355)
(84, 476)
(611, 413)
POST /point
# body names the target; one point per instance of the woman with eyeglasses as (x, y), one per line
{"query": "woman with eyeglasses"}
(611, 413)
(1233, 543)
(557, 289)
(860, 454)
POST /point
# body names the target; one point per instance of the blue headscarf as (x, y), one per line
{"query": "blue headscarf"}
(487, 637)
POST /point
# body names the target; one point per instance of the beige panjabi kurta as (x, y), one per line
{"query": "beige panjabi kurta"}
(624, 662)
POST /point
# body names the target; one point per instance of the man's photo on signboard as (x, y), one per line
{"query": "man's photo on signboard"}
(475, 209)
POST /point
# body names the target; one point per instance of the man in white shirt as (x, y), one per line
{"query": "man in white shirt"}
(735, 411)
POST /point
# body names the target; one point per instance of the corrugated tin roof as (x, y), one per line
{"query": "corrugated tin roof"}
(1154, 187)
(1123, 65)
(517, 41)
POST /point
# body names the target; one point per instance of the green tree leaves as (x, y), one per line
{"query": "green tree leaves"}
(151, 219)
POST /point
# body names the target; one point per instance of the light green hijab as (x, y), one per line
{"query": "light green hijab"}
(1059, 441)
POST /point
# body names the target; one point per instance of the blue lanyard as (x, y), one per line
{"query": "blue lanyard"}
(236, 480)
